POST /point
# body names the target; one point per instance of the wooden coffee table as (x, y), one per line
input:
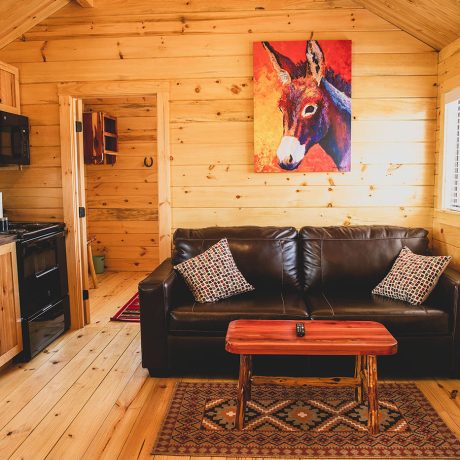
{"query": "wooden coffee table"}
(363, 339)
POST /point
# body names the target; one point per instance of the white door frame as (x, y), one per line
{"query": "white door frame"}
(73, 185)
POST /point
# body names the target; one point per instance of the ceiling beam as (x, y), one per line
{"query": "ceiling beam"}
(16, 18)
(86, 3)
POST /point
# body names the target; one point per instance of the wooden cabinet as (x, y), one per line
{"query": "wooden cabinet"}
(9, 88)
(100, 136)
(10, 315)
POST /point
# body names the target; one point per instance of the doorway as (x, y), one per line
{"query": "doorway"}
(155, 97)
(121, 198)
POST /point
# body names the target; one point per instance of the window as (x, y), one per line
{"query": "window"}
(451, 189)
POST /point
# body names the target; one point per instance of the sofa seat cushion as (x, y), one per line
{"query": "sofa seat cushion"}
(215, 317)
(400, 318)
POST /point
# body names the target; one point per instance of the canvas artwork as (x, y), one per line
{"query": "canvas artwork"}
(302, 106)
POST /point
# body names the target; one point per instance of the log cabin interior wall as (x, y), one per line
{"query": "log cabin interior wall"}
(446, 225)
(122, 200)
(204, 49)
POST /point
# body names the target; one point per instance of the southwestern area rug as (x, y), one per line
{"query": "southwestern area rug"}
(308, 422)
(129, 312)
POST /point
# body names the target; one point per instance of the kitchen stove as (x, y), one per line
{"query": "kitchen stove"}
(43, 285)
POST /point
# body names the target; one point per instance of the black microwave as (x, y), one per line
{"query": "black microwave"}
(14, 139)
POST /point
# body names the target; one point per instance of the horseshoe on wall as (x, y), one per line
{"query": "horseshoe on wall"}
(148, 164)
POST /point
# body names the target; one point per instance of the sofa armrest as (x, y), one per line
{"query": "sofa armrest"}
(157, 294)
(446, 292)
(159, 282)
(446, 296)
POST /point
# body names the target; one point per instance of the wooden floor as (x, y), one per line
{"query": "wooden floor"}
(87, 397)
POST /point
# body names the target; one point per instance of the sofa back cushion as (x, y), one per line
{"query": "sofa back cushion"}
(354, 257)
(266, 256)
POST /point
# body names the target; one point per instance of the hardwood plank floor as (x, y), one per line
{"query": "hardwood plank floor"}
(87, 396)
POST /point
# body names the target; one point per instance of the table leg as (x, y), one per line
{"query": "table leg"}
(372, 395)
(249, 385)
(243, 389)
(359, 374)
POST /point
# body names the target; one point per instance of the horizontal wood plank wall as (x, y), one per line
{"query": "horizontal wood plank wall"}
(122, 200)
(446, 225)
(205, 50)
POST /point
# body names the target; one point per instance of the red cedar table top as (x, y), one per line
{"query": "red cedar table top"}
(278, 337)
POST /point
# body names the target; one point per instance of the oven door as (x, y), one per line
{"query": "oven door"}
(42, 272)
(44, 327)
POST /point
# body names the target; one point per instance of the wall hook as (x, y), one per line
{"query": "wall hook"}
(148, 164)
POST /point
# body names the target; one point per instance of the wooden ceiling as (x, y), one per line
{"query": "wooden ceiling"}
(17, 17)
(436, 23)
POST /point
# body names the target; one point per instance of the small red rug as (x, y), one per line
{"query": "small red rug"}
(130, 312)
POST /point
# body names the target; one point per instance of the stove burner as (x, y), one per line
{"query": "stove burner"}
(28, 230)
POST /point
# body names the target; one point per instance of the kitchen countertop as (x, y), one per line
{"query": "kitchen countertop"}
(6, 238)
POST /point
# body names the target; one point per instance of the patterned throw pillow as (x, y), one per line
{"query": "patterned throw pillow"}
(412, 277)
(213, 275)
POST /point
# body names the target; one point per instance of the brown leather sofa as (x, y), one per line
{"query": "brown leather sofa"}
(314, 273)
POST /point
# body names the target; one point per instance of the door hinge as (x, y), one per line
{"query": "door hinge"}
(78, 126)
(81, 211)
(85, 294)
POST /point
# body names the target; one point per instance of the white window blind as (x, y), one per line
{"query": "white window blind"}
(451, 189)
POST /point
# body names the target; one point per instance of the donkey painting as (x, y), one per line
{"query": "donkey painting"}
(315, 105)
